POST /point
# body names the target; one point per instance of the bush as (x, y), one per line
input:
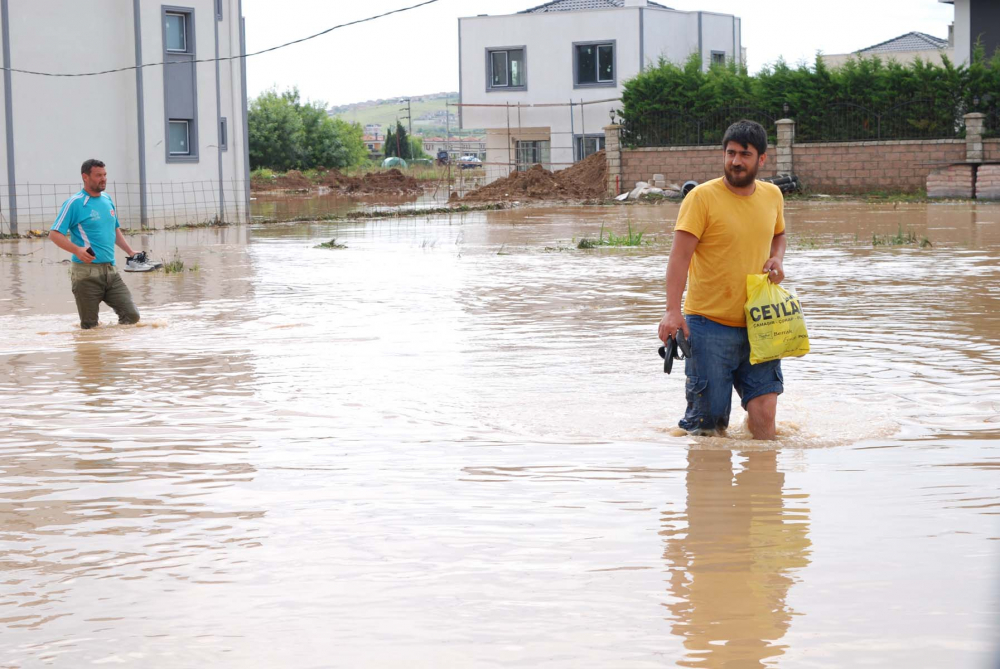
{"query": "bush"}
(669, 90)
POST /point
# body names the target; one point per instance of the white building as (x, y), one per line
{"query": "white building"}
(975, 21)
(570, 50)
(172, 135)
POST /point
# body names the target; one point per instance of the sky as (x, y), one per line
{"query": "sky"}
(416, 52)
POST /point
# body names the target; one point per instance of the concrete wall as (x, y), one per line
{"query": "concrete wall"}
(58, 122)
(673, 36)
(963, 31)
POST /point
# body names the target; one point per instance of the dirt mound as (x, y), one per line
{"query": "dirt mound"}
(292, 180)
(586, 180)
(391, 181)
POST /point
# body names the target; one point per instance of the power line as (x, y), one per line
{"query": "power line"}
(223, 58)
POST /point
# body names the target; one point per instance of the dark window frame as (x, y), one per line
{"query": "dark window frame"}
(223, 133)
(613, 82)
(188, 123)
(190, 53)
(490, 88)
(187, 16)
(578, 140)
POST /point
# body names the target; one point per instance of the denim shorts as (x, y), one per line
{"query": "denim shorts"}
(719, 362)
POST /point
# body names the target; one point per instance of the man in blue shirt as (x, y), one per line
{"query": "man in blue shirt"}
(87, 227)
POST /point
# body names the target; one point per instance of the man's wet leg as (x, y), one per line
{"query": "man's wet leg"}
(119, 298)
(761, 414)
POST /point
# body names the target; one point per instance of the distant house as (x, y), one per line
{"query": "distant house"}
(374, 144)
(579, 50)
(903, 49)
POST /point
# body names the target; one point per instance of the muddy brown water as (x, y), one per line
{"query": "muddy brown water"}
(449, 444)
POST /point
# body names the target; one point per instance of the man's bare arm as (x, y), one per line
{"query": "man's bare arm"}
(63, 242)
(122, 244)
(677, 268)
(775, 265)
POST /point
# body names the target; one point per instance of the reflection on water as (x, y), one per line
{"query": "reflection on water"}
(732, 555)
(449, 444)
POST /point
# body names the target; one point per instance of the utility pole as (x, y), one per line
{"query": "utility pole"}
(409, 116)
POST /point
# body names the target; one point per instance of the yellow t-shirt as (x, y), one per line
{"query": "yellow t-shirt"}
(734, 239)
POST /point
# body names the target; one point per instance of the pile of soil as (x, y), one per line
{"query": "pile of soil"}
(380, 183)
(392, 181)
(293, 180)
(587, 180)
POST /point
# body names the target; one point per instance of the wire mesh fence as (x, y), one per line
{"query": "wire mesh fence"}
(168, 204)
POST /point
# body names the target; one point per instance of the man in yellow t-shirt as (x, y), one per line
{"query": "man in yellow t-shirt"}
(727, 228)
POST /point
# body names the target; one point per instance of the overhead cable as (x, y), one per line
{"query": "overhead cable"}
(223, 58)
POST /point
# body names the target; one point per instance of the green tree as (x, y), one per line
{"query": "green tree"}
(417, 148)
(397, 143)
(275, 132)
(287, 133)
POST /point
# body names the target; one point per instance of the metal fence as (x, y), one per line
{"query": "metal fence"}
(991, 125)
(678, 127)
(168, 204)
(849, 121)
(841, 121)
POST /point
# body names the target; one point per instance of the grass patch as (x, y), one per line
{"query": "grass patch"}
(901, 238)
(630, 238)
(332, 244)
(173, 266)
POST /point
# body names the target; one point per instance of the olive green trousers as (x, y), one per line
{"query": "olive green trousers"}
(100, 282)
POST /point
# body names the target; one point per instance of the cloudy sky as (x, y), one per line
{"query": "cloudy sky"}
(416, 52)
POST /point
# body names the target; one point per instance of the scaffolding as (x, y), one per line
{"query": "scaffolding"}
(527, 138)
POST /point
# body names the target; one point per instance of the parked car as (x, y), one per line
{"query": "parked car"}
(469, 162)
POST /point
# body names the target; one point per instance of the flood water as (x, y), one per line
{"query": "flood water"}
(450, 444)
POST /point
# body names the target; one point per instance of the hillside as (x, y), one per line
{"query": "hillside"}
(387, 112)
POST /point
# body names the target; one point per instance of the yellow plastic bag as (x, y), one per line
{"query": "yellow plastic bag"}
(775, 323)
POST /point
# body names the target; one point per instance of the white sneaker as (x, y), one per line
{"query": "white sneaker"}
(141, 263)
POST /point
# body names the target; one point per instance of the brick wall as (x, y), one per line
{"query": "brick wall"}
(678, 164)
(952, 181)
(843, 167)
(857, 167)
(988, 182)
(991, 150)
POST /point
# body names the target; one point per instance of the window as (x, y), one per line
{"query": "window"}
(180, 86)
(594, 64)
(180, 138)
(587, 145)
(223, 134)
(718, 58)
(532, 153)
(176, 31)
(506, 68)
